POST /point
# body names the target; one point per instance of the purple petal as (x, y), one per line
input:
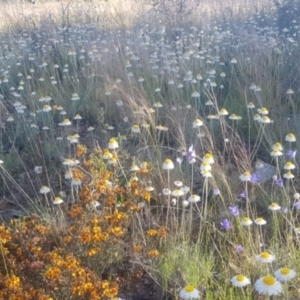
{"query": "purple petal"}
(239, 249)
(234, 210)
(244, 194)
(291, 153)
(279, 182)
(216, 192)
(179, 160)
(255, 178)
(226, 224)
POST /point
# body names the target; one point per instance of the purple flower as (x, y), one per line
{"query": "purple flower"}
(191, 155)
(297, 205)
(284, 209)
(234, 210)
(226, 224)
(291, 153)
(244, 194)
(255, 178)
(279, 182)
(239, 249)
(216, 192)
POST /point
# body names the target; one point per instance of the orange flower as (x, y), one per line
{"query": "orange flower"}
(153, 253)
(117, 231)
(53, 273)
(85, 236)
(80, 272)
(138, 249)
(68, 239)
(12, 282)
(93, 251)
(152, 232)
(162, 232)
(75, 211)
(80, 150)
(147, 196)
(78, 174)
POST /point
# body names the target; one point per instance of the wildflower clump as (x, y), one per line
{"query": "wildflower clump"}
(43, 260)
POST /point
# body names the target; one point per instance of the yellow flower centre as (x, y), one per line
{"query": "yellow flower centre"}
(240, 278)
(246, 219)
(168, 161)
(284, 271)
(112, 141)
(208, 156)
(265, 255)
(259, 219)
(269, 280)
(189, 288)
(246, 174)
(291, 136)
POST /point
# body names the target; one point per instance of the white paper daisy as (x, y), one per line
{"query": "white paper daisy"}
(240, 281)
(268, 285)
(265, 257)
(285, 274)
(189, 293)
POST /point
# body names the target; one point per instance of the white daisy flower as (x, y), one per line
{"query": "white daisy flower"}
(274, 206)
(208, 158)
(288, 175)
(246, 176)
(58, 201)
(166, 192)
(260, 221)
(177, 193)
(290, 138)
(285, 274)
(240, 281)
(263, 111)
(289, 166)
(268, 285)
(197, 123)
(189, 293)
(246, 221)
(194, 198)
(113, 144)
(44, 190)
(168, 164)
(265, 257)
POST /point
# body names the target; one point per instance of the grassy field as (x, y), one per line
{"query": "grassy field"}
(148, 150)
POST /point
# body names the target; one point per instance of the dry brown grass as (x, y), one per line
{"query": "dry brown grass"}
(116, 13)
